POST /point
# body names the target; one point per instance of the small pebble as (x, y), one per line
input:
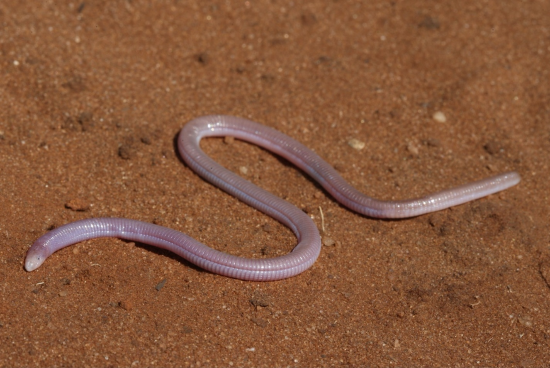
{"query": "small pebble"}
(203, 58)
(432, 142)
(430, 23)
(492, 148)
(412, 149)
(125, 152)
(243, 170)
(126, 305)
(259, 321)
(309, 208)
(259, 299)
(308, 19)
(439, 117)
(356, 144)
(228, 140)
(526, 320)
(328, 242)
(266, 250)
(77, 204)
(160, 285)
(62, 293)
(339, 167)
(544, 270)
(159, 221)
(85, 120)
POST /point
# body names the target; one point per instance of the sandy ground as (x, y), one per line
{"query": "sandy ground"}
(93, 94)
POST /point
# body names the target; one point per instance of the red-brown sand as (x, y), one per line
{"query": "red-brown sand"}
(93, 94)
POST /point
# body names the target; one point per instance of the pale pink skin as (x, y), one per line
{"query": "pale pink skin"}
(309, 241)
